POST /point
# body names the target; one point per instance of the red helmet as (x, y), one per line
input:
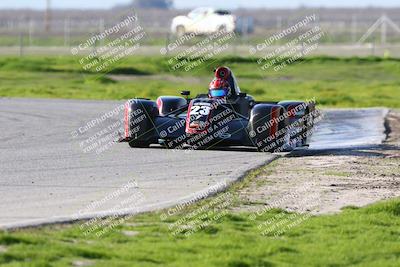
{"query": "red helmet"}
(219, 88)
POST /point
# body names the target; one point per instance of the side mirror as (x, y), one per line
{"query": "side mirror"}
(242, 94)
(186, 94)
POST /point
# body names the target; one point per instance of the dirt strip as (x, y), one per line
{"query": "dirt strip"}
(324, 181)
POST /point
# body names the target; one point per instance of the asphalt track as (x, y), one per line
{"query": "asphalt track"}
(51, 171)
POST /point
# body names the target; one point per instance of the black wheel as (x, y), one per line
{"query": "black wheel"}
(180, 31)
(307, 127)
(268, 127)
(278, 142)
(222, 28)
(139, 144)
(138, 122)
(301, 124)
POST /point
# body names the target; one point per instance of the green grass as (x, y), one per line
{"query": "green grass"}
(334, 82)
(361, 237)
(367, 236)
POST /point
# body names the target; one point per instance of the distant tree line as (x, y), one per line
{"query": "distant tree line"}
(160, 4)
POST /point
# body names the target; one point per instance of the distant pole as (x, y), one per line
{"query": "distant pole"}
(167, 42)
(354, 28)
(101, 30)
(245, 28)
(67, 32)
(383, 30)
(47, 17)
(31, 29)
(94, 48)
(21, 44)
(279, 24)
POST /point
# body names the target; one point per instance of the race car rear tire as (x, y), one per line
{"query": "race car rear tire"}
(267, 127)
(299, 116)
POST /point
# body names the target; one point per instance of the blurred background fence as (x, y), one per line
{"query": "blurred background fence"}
(66, 28)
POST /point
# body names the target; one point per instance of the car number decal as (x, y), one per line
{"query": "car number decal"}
(199, 111)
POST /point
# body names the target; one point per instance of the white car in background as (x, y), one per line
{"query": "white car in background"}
(203, 20)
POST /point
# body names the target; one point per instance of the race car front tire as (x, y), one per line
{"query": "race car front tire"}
(139, 122)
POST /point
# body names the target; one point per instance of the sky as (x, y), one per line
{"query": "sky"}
(229, 4)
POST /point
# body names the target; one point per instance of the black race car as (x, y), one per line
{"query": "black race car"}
(206, 121)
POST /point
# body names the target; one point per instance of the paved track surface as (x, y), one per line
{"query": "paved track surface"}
(345, 128)
(51, 173)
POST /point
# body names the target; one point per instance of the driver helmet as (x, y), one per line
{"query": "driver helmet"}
(219, 88)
